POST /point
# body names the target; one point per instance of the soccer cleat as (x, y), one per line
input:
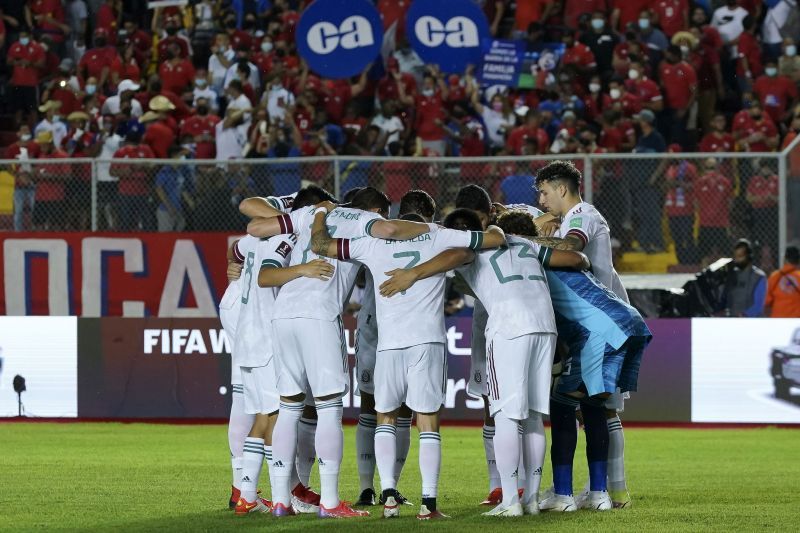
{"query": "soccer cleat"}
(305, 500)
(426, 514)
(367, 498)
(343, 510)
(235, 495)
(548, 493)
(506, 511)
(279, 510)
(558, 504)
(531, 508)
(399, 498)
(597, 500)
(520, 493)
(391, 509)
(620, 499)
(244, 507)
(580, 499)
(494, 498)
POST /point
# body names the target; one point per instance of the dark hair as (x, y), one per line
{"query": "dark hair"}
(418, 202)
(474, 197)
(746, 245)
(311, 195)
(463, 219)
(243, 66)
(236, 84)
(792, 254)
(348, 196)
(174, 149)
(560, 171)
(371, 198)
(517, 222)
(413, 217)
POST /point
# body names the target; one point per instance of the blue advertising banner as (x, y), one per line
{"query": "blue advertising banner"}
(502, 62)
(447, 33)
(339, 38)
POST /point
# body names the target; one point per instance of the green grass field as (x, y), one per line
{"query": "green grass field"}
(125, 477)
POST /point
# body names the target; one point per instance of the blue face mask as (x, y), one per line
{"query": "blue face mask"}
(644, 24)
(598, 24)
(91, 89)
(24, 41)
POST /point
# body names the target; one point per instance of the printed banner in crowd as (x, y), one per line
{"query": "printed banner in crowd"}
(113, 274)
(502, 62)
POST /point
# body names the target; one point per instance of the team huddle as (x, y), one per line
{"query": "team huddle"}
(553, 334)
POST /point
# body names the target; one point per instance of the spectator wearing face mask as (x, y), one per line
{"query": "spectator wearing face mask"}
(754, 130)
(237, 70)
(627, 103)
(646, 89)
(177, 73)
(789, 62)
(777, 93)
(602, 40)
(777, 25)
(25, 57)
(97, 62)
(201, 127)
(648, 34)
(171, 36)
(573, 9)
(596, 100)
(202, 90)
(429, 110)
(626, 12)
(221, 59)
(52, 122)
(713, 194)
(278, 99)
(679, 81)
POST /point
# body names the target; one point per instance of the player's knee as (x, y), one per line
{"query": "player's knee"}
(428, 421)
(260, 425)
(388, 418)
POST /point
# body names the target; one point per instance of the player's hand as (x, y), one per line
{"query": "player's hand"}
(330, 206)
(399, 280)
(234, 271)
(548, 229)
(318, 269)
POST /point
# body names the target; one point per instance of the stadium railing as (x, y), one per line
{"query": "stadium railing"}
(655, 224)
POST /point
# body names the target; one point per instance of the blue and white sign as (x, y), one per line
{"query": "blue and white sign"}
(502, 62)
(339, 38)
(447, 33)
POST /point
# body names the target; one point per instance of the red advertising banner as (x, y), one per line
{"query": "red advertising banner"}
(174, 275)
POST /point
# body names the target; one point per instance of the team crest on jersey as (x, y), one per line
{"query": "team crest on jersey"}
(576, 222)
(477, 378)
(365, 376)
(283, 249)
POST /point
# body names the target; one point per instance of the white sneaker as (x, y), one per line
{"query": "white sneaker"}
(558, 503)
(548, 493)
(580, 500)
(597, 500)
(302, 507)
(391, 509)
(531, 508)
(515, 509)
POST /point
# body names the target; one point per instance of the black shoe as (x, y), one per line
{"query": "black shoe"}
(367, 498)
(399, 498)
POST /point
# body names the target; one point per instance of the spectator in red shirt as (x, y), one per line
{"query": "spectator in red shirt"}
(429, 110)
(200, 127)
(756, 132)
(158, 136)
(596, 101)
(172, 28)
(679, 81)
(531, 11)
(135, 182)
(713, 194)
(388, 85)
(710, 85)
(778, 94)
(142, 42)
(177, 73)
(762, 195)
(49, 212)
(97, 61)
(25, 57)
(530, 130)
(577, 54)
(679, 178)
(624, 51)
(646, 89)
(46, 17)
(106, 18)
(671, 15)
(623, 101)
(573, 9)
(126, 65)
(718, 139)
(748, 50)
(626, 12)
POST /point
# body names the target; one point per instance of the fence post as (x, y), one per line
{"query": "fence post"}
(337, 186)
(94, 195)
(782, 201)
(588, 187)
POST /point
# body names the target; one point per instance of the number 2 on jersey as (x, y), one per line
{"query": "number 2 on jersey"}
(524, 253)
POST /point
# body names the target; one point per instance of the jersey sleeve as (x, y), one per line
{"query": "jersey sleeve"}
(368, 220)
(275, 252)
(581, 225)
(281, 203)
(293, 222)
(354, 249)
(450, 238)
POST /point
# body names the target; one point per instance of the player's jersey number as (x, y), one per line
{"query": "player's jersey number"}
(248, 275)
(413, 259)
(524, 253)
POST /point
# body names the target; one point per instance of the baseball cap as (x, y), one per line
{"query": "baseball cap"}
(646, 115)
(127, 85)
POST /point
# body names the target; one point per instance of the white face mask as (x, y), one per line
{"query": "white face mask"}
(594, 87)
(791, 50)
(266, 46)
(615, 94)
(90, 89)
(25, 137)
(56, 118)
(644, 24)
(685, 50)
(427, 92)
(633, 74)
(24, 41)
(598, 24)
(771, 71)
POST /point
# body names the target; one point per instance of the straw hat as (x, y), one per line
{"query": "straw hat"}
(150, 116)
(44, 137)
(77, 115)
(50, 104)
(161, 103)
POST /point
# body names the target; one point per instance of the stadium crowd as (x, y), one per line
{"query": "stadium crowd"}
(223, 80)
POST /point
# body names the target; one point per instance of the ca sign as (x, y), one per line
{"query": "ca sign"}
(447, 33)
(339, 38)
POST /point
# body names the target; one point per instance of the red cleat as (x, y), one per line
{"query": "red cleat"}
(244, 507)
(425, 514)
(305, 500)
(279, 510)
(235, 495)
(494, 498)
(343, 510)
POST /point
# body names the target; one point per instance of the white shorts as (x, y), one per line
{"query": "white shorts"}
(477, 373)
(416, 375)
(519, 374)
(229, 315)
(236, 374)
(260, 393)
(366, 350)
(616, 402)
(310, 353)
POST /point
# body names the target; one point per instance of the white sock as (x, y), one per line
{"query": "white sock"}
(430, 462)
(330, 442)
(306, 454)
(534, 444)
(521, 472)
(386, 454)
(268, 461)
(491, 463)
(253, 459)
(403, 444)
(284, 445)
(616, 455)
(506, 446)
(365, 450)
(239, 424)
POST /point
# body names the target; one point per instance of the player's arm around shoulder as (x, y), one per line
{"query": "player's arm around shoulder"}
(321, 241)
(398, 230)
(569, 242)
(401, 279)
(275, 275)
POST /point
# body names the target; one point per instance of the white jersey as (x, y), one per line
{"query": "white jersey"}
(313, 298)
(586, 223)
(415, 316)
(366, 321)
(511, 284)
(253, 346)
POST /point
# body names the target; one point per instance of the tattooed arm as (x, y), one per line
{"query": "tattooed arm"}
(570, 242)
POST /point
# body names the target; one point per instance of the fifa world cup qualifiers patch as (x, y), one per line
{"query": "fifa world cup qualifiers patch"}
(576, 222)
(283, 249)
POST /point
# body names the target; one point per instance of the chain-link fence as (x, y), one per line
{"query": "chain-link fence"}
(673, 212)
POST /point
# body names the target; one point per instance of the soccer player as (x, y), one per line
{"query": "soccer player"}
(583, 228)
(411, 361)
(417, 202)
(310, 341)
(522, 333)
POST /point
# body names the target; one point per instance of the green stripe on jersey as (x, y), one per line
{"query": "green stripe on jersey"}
(476, 240)
(368, 227)
(273, 202)
(544, 256)
(270, 263)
